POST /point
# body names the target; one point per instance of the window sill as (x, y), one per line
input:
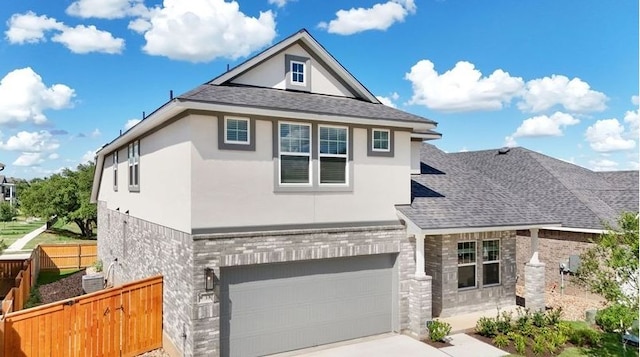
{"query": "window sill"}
(468, 288)
(310, 188)
(491, 285)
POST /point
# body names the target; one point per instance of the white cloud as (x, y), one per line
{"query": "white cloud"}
(378, 17)
(86, 39)
(545, 125)
(96, 133)
(607, 135)
(462, 88)
(30, 28)
(278, 3)
(574, 95)
(24, 97)
(603, 165)
(389, 101)
(53, 156)
(25, 141)
(29, 159)
(510, 141)
(635, 100)
(203, 30)
(632, 118)
(131, 123)
(106, 9)
(88, 156)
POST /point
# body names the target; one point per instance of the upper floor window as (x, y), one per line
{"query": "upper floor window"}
(115, 170)
(297, 72)
(380, 140)
(466, 265)
(490, 262)
(333, 144)
(295, 153)
(134, 165)
(236, 131)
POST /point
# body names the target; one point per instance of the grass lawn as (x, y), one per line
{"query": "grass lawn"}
(46, 277)
(60, 233)
(12, 231)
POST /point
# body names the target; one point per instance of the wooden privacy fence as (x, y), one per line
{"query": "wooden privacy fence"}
(19, 293)
(121, 321)
(66, 256)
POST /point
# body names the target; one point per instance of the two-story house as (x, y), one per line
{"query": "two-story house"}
(291, 221)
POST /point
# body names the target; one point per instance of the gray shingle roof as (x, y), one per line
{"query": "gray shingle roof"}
(578, 197)
(278, 99)
(448, 194)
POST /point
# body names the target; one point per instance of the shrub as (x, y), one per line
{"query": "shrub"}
(524, 323)
(553, 316)
(501, 341)
(503, 322)
(34, 298)
(539, 345)
(438, 330)
(585, 337)
(486, 326)
(98, 265)
(615, 318)
(519, 342)
(538, 319)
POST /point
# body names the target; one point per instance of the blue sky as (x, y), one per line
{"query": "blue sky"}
(558, 77)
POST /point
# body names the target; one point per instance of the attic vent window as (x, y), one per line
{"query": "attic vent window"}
(297, 73)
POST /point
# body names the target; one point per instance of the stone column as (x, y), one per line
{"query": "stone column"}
(419, 305)
(534, 272)
(534, 286)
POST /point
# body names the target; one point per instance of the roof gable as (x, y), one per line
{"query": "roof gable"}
(267, 69)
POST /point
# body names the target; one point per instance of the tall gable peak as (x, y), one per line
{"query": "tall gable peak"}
(297, 63)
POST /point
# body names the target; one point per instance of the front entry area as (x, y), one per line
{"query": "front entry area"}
(271, 308)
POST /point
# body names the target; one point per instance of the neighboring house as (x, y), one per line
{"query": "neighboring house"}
(581, 199)
(285, 172)
(7, 189)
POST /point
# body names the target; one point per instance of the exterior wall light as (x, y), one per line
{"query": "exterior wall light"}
(209, 278)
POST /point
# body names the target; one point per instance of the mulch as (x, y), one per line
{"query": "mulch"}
(65, 288)
(512, 350)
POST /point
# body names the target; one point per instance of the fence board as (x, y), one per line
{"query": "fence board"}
(89, 325)
(67, 256)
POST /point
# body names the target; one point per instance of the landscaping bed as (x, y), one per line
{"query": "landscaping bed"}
(56, 286)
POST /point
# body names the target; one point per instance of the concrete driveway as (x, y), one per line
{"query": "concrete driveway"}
(375, 346)
(389, 345)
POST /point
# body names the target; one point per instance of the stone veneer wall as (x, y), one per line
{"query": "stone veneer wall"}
(442, 264)
(222, 250)
(553, 247)
(145, 249)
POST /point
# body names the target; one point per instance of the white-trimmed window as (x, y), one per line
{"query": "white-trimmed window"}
(380, 140)
(491, 262)
(466, 265)
(295, 153)
(115, 170)
(236, 131)
(298, 75)
(134, 165)
(332, 154)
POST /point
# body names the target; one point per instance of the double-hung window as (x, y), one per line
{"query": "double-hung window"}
(236, 131)
(295, 153)
(298, 73)
(134, 165)
(380, 140)
(115, 170)
(490, 262)
(333, 156)
(466, 265)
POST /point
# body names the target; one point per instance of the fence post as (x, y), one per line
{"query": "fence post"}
(79, 257)
(2, 336)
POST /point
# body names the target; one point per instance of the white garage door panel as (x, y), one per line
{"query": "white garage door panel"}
(273, 308)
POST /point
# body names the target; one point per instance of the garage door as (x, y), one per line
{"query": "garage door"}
(272, 308)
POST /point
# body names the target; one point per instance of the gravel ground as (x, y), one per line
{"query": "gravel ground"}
(573, 306)
(68, 287)
(155, 353)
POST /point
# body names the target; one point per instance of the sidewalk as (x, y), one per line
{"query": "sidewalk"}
(20, 243)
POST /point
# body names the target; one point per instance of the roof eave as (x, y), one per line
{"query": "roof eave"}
(300, 115)
(417, 229)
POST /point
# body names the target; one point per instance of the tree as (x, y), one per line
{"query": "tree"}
(610, 268)
(7, 212)
(65, 195)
